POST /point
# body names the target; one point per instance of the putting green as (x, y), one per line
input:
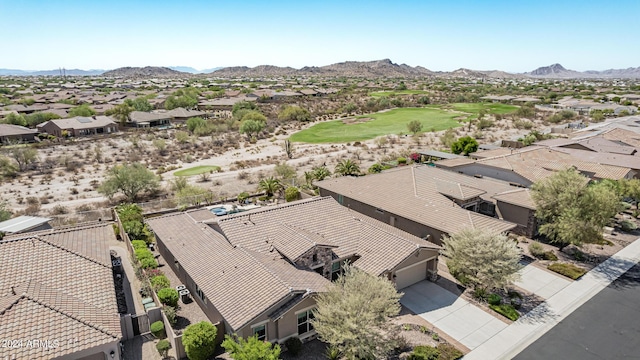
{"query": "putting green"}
(197, 170)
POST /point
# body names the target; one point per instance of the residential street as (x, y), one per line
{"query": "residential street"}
(606, 327)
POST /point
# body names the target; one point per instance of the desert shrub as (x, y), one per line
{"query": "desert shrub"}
(449, 352)
(163, 347)
(628, 225)
(375, 168)
(154, 272)
(139, 244)
(170, 313)
(568, 270)
(168, 296)
(536, 249)
(550, 255)
(148, 263)
(480, 294)
(157, 329)
(402, 161)
(424, 352)
(160, 282)
(332, 353)
(292, 193)
(294, 345)
(485, 123)
(494, 299)
(243, 196)
(506, 310)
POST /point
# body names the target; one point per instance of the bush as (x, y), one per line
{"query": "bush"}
(480, 294)
(628, 225)
(199, 340)
(536, 249)
(402, 161)
(139, 244)
(294, 345)
(568, 270)
(449, 352)
(163, 347)
(143, 253)
(506, 310)
(424, 352)
(168, 296)
(160, 282)
(375, 168)
(292, 193)
(157, 329)
(332, 353)
(170, 313)
(494, 299)
(148, 263)
(550, 255)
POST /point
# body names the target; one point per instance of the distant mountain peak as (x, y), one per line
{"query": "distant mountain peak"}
(144, 72)
(549, 70)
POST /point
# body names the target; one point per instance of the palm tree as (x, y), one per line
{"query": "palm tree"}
(320, 172)
(270, 186)
(347, 167)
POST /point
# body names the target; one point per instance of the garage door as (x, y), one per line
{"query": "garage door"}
(411, 275)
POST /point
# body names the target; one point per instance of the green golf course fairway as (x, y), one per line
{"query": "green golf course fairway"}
(395, 121)
(197, 170)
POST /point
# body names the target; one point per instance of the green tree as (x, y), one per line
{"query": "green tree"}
(195, 122)
(448, 138)
(15, 119)
(482, 259)
(5, 213)
(252, 125)
(163, 347)
(121, 113)
(464, 145)
(82, 110)
(7, 168)
(347, 168)
(139, 104)
(243, 105)
(131, 180)
(353, 315)
(39, 118)
(414, 126)
(250, 349)
(270, 186)
(571, 210)
(24, 156)
(199, 340)
(294, 113)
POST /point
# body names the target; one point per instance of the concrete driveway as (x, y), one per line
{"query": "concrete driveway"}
(461, 320)
(541, 282)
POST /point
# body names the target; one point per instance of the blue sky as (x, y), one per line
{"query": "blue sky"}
(443, 35)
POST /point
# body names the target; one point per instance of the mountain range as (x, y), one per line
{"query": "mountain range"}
(364, 69)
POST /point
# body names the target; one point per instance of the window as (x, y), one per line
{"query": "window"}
(304, 321)
(379, 211)
(261, 331)
(340, 199)
(201, 294)
(336, 270)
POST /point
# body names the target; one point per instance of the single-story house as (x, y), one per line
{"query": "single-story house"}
(11, 133)
(24, 223)
(258, 272)
(182, 114)
(57, 295)
(149, 119)
(533, 163)
(79, 126)
(422, 200)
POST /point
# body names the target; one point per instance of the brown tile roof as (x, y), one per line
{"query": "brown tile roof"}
(411, 192)
(63, 286)
(380, 246)
(14, 130)
(80, 122)
(239, 282)
(625, 136)
(519, 197)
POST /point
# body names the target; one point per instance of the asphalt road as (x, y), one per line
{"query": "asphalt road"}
(605, 327)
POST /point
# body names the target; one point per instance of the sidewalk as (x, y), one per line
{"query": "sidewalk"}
(517, 336)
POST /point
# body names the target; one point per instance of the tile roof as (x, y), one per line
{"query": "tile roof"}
(411, 192)
(141, 116)
(14, 130)
(519, 197)
(380, 246)
(81, 122)
(239, 282)
(22, 223)
(58, 285)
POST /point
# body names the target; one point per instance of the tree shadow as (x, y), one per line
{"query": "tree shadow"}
(539, 315)
(610, 269)
(628, 280)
